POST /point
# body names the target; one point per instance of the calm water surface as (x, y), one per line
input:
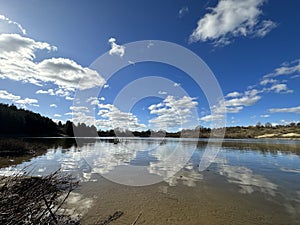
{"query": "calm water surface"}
(249, 182)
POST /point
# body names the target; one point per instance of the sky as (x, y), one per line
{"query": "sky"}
(52, 54)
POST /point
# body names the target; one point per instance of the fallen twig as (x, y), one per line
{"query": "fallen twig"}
(111, 218)
(137, 218)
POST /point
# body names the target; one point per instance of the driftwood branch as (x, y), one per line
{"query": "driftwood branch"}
(110, 218)
(137, 218)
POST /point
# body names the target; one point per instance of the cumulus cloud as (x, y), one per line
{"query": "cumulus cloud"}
(8, 96)
(286, 110)
(79, 108)
(115, 48)
(53, 106)
(172, 112)
(233, 102)
(9, 22)
(233, 94)
(232, 18)
(246, 100)
(212, 117)
(280, 88)
(17, 99)
(95, 100)
(49, 92)
(112, 117)
(17, 63)
(27, 101)
(272, 81)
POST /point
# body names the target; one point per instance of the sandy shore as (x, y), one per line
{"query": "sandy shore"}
(288, 136)
(211, 202)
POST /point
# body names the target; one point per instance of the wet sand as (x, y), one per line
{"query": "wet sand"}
(210, 202)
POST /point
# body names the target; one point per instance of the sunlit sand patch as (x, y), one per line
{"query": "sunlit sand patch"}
(290, 135)
(267, 136)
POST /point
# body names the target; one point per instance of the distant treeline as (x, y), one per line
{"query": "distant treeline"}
(203, 132)
(17, 122)
(21, 122)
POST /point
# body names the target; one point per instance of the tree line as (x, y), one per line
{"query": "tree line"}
(20, 122)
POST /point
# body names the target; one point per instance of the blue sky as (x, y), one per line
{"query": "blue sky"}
(251, 46)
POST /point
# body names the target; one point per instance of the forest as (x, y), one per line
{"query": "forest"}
(17, 122)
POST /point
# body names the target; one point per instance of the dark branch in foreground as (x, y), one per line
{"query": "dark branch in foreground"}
(34, 200)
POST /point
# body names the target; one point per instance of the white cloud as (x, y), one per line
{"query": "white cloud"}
(17, 99)
(273, 84)
(57, 115)
(68, 98)
(265, 116)
(17, 47)
(235, 109)
(106, 86)
(79, 109)
(8, 96)
(172, 112)
(280, 88)
(95, 100)
(27, 101)
(286, 110)
(295, 76)
(53, 106)
(234, 102)
(67, 74)
(8, 21)
(49, 92)
(266, 81)
(287, 69)
(115, 48)
(243, 101)
(212, 117)
(162, 93)
(232, 18)
(233, 94)
(264, 28)
(17, 63)
(112, 117)
(183, 11)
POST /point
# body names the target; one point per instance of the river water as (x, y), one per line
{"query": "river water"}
(159, 181)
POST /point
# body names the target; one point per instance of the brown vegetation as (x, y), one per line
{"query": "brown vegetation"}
(34, 200)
